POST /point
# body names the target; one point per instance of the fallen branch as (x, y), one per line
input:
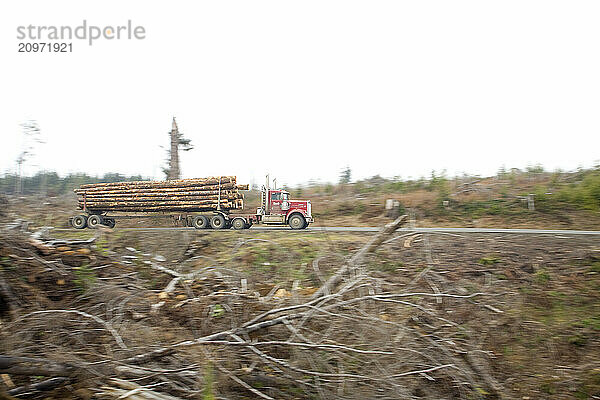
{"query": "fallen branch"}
(243, 384)
(48, 384)
(106, 325)
(133, 391)
(35, 366)
(359, 256)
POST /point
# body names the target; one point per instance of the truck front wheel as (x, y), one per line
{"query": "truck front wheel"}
(217, 222)
(239, 224)
(297, 221)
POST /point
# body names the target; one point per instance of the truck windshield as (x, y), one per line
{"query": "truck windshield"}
(275, 196)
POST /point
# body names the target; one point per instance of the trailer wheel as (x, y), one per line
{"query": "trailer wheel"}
(110, 223)
(94, 221)
(217, 221)
(200, 222)
(297, 221)
(79, 222)
(239, 224)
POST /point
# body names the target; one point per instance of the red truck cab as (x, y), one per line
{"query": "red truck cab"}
(277, 208)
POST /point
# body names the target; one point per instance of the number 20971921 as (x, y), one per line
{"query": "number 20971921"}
(25, 47)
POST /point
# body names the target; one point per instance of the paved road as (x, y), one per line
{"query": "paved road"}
(375, 229)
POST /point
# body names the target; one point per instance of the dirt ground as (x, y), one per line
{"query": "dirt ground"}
(535, 323)
(542, 334)
(465, 315)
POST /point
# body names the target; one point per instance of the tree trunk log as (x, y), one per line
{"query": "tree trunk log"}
(34, 366)
(177, 195)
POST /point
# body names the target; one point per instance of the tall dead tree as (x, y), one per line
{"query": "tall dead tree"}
(177, 142)
(30, 138)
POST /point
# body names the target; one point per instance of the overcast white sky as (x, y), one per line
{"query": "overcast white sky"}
(301, 89)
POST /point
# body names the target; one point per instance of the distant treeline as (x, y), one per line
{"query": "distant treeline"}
(557, 190)
(51, 184)
(552, 190)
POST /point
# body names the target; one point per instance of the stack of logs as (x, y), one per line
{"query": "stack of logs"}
(201, 194)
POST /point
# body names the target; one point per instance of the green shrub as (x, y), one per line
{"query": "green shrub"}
(490, 260)
(207, 391)
(542, 277)
(584, 194)
(85, 277)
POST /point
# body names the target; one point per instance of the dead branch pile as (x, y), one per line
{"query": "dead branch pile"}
(206, 331)
(200, 194)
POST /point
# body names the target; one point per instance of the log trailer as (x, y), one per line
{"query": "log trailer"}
(277, 208)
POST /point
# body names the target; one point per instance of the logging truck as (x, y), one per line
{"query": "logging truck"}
(207, 203)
